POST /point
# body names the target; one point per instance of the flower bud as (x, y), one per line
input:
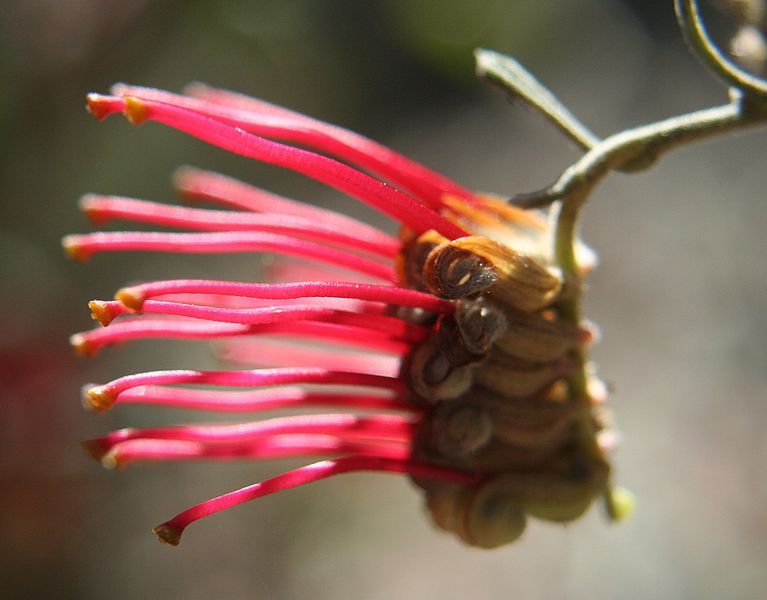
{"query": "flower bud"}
(446, 504)
(516, 378)
(410, 262)
(460, 430)
(534, 337)
(473, 264)
(467, 335)
(551, 496)
(430, 374)
(454, 272)
(527, 422)
(493, 518)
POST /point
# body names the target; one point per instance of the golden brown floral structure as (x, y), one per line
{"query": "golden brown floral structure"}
(454, 352)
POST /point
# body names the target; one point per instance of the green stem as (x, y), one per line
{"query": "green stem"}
(697, 38)
(638, 148)
(565, 239)
(520, 84)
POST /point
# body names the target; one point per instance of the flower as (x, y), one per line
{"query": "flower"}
(465, 360)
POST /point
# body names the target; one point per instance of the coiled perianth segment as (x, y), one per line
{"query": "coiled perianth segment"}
(492, 378)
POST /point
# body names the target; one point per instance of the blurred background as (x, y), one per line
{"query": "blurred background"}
(679, 296)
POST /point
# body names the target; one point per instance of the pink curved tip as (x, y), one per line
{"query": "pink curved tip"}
(171, 531)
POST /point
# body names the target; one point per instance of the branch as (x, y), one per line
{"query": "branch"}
(697, 38)
(630, 150)
(640, 147)
(519, 83)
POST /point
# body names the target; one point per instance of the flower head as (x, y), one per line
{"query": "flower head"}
(449, 359)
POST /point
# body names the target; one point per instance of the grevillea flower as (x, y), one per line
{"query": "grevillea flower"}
(449, 357)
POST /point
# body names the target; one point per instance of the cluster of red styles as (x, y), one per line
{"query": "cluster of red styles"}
(440, 350)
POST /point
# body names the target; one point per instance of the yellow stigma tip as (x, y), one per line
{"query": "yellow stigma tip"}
(621, 504)
(167, 534)
(180, 177)
(82, 345)
(97, 398)
(100, 312)
(130, 298)
(74, 250)
(85, 201)
(88, 205)
(118, 89)
(110, 461)
(97, 106)
(136, 110)
(195, 88)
